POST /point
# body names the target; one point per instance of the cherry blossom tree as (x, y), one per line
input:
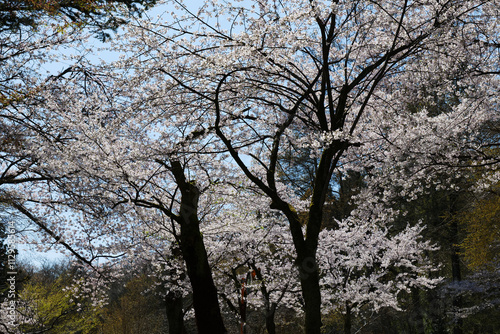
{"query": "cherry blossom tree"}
(124, 167)
(252, 255)
(22, 57)
(324, 76)
(32, 33)
(196, 103)
(363, 263)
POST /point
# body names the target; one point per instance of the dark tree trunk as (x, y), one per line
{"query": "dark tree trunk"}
(306, 247)
(456, 273)
(205, 302)
(309, 281)
(175, 316)
(270, 325)
(416, 323)
(347, 319)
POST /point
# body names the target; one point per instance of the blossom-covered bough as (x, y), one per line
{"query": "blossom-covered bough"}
(334, 72)
(208, 100)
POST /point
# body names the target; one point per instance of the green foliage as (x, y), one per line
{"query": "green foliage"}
(50, 301)
(47, 305)
(481, 245)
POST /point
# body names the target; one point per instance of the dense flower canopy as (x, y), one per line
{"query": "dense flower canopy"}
(184, 152)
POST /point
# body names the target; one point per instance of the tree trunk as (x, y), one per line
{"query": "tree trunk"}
(347, 319)
(416, 319)
(269, 306)
(456, 274)
(307, 245)
(270, 325)
(205, 302)
(307, 264)
(175, 316)
(309, 281)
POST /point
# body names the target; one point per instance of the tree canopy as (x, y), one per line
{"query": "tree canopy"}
(101, 15)
(269, 156)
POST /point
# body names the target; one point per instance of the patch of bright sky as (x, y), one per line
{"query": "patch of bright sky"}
(95, 51)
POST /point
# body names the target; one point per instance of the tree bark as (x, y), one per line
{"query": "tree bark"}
(309, 281)
(205, 302)
(347, 319)
(416, 324)
(175, 316)
(456, 273)
(270, 325)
